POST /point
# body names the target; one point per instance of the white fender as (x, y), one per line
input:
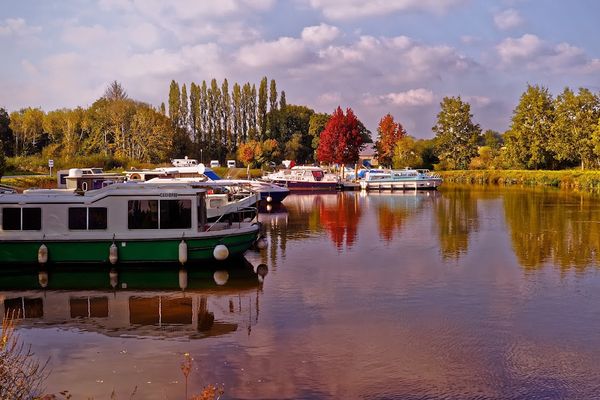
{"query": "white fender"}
(113, 278)
(269, 199)
(183, 279)
(221, 277)
(113, 254)
(221, 252)
(43, 254)
(261, 244)
(183, 252)
(43, 278)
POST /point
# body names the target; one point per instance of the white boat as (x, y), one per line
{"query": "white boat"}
(304, 178)
(122, 222)
(269, 192)
(402, 179)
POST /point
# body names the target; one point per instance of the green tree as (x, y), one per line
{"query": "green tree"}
(2, 159)
(575, 119)
(261, 113)
(527, 139)
(174, 103)
(195, 116)
(227, 139)
(316, 125)
(184, 109)
(236, 114)
(405, 153)
(456, 134)
(6, 134)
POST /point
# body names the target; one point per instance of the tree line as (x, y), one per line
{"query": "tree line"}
(257, 126)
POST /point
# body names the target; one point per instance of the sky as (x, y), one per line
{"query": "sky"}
(375, 56)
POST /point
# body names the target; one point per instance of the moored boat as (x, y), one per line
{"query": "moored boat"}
(304, 178)
(121, 223)
(403, 179)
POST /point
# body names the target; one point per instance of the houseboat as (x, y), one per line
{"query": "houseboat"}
(304, 178)
(400, 179)
(119, 223)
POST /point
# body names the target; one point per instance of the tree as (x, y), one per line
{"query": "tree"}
(6, 134)
(115, 91)
(184, 109)
(456, 134)
(390, 133)
(341, 139)
(27, 127)
(316, 125)
(576, 116)
(262, 108)
(527, 139)
(2, 159)
(195, 117)
(405, 153)
(236, 114)
(174, 103)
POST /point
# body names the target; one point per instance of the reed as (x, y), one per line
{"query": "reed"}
(567, 179)
(21, 374)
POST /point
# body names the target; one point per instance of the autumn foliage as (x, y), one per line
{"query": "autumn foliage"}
(341, 140)
(390, 133)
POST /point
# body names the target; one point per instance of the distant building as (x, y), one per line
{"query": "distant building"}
(368, 155)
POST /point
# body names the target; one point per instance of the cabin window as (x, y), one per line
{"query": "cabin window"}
(175, 214)
(97, 218)
(11, 219)
(82, 218)
(143, 214)
(78, 218)
(27, 219)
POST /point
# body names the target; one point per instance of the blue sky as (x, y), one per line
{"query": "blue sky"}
(386, 56)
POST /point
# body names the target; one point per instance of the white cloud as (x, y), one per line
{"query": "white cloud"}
(531, 52)
(508, 19)
(144, 34)
(411, 98)
(17, 27)
(320, 34)
(353, 9)
(283, 51)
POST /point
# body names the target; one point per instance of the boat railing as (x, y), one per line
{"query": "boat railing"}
(240, 212)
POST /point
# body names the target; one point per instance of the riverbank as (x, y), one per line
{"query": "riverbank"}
(567, 179)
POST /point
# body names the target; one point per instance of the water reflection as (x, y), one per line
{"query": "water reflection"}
(456, 218)
(157, 302)
(555, 227)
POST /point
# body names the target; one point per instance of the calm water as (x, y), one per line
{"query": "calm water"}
(459, 294)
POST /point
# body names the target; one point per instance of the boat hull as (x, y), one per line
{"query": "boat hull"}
(199, 249)
(308, 186)
(419, 184)
(276, 197)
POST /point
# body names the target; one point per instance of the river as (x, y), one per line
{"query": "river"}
(465, 293)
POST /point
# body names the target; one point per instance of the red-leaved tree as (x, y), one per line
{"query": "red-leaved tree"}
(341, 140)
(390, 134)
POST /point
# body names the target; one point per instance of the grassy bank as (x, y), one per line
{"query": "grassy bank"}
(568, 179)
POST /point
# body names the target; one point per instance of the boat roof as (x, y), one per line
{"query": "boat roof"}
(132, 189)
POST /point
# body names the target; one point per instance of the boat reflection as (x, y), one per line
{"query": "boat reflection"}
(161, 302)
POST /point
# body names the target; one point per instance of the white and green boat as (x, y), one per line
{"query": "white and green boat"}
(120, 223)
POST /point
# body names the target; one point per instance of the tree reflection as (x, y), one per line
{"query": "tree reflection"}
(340, 218)
(456, 215)
(559, 228)
(393, 210)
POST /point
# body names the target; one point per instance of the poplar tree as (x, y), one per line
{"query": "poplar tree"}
(174, 103)
(237, 114)
(282, 101)
(195, 118)
(227, 139)
(262, 108)
(252, 129)
(245, 109)
(456, 134)
(204, 113)
(184, 109)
